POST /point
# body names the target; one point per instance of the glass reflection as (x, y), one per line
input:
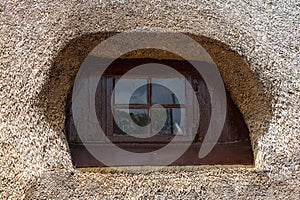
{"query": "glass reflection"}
(161, 94)
(174, 123)
(122, 119)
(131, 91)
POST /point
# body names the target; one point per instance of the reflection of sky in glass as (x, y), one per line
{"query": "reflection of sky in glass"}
(124, 92)
(138, 116)
(175, 120)
(168, 90)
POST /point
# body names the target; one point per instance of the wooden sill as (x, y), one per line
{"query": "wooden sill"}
(235, 153)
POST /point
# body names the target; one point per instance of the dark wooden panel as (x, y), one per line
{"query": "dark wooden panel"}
(222, 154)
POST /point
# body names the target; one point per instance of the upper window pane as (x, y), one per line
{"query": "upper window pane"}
(168, 90)
(130, 91)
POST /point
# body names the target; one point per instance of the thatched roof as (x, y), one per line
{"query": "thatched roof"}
(43, 42)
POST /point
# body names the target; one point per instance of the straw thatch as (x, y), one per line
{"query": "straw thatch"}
(43, 42)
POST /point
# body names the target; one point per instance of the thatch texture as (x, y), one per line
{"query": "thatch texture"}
(254, 44)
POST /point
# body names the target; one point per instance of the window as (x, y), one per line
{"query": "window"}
(154, 95)
(146, 102)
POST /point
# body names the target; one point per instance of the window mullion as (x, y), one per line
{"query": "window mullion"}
(149, 103)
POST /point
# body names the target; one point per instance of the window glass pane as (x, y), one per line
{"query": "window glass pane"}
(123, 118)
(130, 91)
(168, 90)
(174, 122)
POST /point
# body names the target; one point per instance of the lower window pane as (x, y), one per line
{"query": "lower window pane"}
(133, 121)
(172, 125)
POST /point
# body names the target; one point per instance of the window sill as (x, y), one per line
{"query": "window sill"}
(235, 153)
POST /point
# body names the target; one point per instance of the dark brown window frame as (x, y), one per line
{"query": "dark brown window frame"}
(159, 138)
(236, 150)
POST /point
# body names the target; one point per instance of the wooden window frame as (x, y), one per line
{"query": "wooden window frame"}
(159, 137)
(237, 150)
